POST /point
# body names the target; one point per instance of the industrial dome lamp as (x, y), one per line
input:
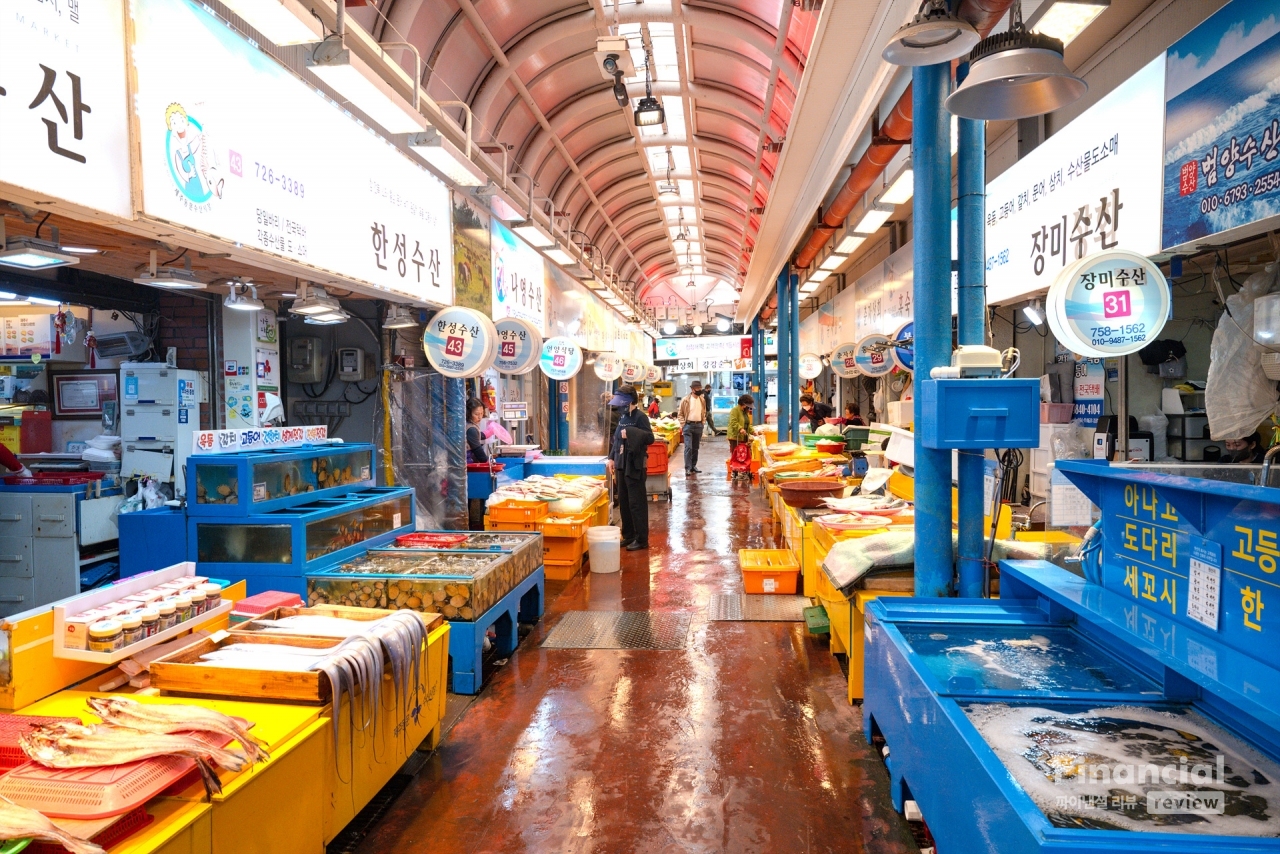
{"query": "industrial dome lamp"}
(1015, 75)
(934, 35)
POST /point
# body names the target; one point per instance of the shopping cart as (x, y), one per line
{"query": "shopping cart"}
(740, 462)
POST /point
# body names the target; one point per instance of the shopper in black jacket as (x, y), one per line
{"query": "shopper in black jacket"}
(629, 461)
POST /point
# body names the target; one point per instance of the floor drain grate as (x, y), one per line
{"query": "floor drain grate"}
(766, 608)
(619, 630)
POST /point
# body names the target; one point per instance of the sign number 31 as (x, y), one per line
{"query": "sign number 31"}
(1116, 304)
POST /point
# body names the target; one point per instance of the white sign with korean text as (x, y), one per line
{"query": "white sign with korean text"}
(234, 145)
(519, 278)
(64, 125)
(718, 347)
(1094, 185)
(256, 439)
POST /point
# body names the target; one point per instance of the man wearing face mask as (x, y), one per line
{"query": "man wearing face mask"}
(629, 460)
(1246, 449)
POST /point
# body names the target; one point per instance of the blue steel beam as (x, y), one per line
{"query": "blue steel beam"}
(784, 359)
(931, 160)
(972, 309)
(794, 350)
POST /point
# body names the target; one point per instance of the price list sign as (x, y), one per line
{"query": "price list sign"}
(1204, 584)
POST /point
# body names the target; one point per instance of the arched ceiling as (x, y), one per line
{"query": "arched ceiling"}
(726, 71)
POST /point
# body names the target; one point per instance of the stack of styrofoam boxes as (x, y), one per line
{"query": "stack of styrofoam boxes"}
(1042, 458)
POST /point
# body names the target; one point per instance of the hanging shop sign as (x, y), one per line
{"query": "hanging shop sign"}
(519, 346)
(519, 280)
(652, 374)
(256, 439)
(905, 356)
(221, 163)
(561, 358)
(1091, 187)
(608, 366)
(1222, 126)
(64, 103)
(721, 348)
(844, 360)
(632, 371)
(810, 365)
(873, 357)
(460, 342)
(1108, 304)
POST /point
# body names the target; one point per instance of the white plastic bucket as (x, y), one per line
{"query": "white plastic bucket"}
(604, 545)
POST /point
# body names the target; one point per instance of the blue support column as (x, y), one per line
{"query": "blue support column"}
(971, 310)
(931, 159)
(757, 371)
(794, 350)
(784, 358)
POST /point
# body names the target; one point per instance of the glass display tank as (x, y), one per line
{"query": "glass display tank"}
(237, 484)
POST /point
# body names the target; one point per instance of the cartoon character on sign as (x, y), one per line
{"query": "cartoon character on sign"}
(192, 161)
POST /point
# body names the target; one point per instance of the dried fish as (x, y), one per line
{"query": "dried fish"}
(64, 745)
(175, 718)
(17, 822)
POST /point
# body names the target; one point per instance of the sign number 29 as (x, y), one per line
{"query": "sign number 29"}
(1116, 304)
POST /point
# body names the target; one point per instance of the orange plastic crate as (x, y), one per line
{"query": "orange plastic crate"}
(494, 525)
(563, 548)
(515, 510)
(567, 526)
(563, 570)
(768, 570)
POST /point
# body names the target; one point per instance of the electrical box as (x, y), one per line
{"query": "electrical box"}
(354, 365)
(306, 362)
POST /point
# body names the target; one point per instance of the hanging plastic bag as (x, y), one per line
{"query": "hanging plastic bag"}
(1238, 395)
(151, 495)
(1156, 425)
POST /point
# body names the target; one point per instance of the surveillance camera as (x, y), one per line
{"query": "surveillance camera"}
(611, 63)
(620, 92)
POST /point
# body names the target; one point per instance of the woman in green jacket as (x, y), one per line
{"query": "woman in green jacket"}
(739, 429)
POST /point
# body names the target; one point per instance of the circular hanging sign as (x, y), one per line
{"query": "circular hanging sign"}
(844, 360)
(810, 365)
(608, 366)
(873, 357)
(460, 342)
(1111, 303)
(632, 371)
(519, 345)
(905, 357)
(652, 374)
(561, 358)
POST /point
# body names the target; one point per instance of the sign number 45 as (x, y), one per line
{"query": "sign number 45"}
(1116, 304)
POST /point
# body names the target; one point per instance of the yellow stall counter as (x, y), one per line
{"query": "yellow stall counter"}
(847, 625)
(177, 827)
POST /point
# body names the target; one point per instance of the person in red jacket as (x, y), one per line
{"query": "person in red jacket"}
(12, 463)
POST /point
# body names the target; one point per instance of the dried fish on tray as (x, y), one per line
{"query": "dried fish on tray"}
(17, 822)
(457, 585)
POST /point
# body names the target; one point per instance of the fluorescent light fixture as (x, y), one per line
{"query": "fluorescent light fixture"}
(809, 287)
(504, 210)
(558, 255)
(832, 262)
(315, 302)
(533, 234)
(1033, 313)
(30, 254)
(5, 295)
(173, 278)
(850, 242)
(669, 328)
(819, 276)
(649, 112)
(284, 22)
(329, 318)
(874, 215)
(42, 301)
(901, 188)
(81, 250)
(447, 159)
(1065, 19)
(242, 296)
(363, 87)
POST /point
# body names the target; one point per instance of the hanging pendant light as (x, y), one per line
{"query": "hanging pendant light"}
(1015, 75)
(934, 35)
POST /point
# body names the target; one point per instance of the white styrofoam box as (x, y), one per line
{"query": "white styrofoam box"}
(1047, 432)
(1040, 459)
(902, 413)
(902, 446)
(1040, 484)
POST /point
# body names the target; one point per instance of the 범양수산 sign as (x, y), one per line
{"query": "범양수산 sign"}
(1109, 304)
(561, 358)
(460, 342)
(519, 346)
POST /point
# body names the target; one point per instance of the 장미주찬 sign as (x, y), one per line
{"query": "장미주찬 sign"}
(219, 130)
(460, 342)
(844, 360)
(561, 358)
(1109, 304)
(64, 120)
(1092, 186)
(1222, 124)
(608, 366)
(519, 346)
(810, 365)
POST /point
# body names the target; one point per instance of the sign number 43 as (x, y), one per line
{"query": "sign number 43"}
(1116, 304)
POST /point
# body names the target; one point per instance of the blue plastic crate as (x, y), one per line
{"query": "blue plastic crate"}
(974, 414)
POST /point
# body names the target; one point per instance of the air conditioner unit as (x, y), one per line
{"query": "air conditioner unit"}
(122, 345)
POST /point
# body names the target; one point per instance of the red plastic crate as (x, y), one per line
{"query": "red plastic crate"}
(485, 467)
(45, 479)
(260, 603)
(115, 833)
(659, 460)
(429, 540)
(12, 726)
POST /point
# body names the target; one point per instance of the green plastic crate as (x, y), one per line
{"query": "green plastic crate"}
(817, 621)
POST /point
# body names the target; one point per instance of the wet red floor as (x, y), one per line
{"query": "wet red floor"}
(741, 742)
